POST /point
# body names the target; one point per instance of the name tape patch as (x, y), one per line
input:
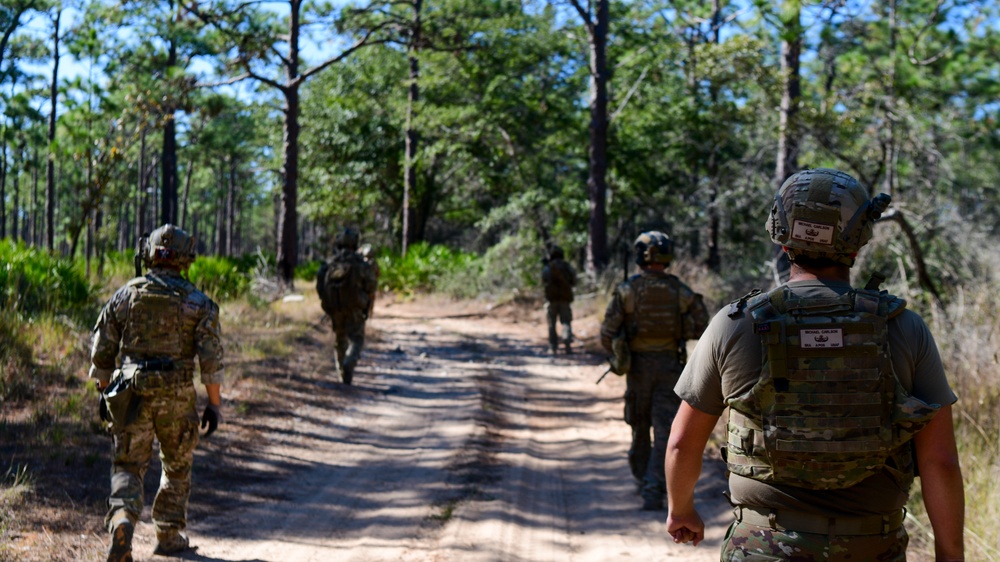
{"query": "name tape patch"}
(824, 338)
(815, 232)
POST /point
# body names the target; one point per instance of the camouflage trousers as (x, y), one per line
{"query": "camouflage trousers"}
(563, 312)
(169, 415)
(750, 543)
(651, 403)
(349, 327)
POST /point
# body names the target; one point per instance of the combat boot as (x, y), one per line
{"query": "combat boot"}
(169, 542)
(347, 375)
(122, 530)
(569, 350)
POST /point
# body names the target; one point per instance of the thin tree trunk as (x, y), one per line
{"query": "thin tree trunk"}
(412, 135)
(3, 185)
(50, 184)
(786, 162)
(187, 191)
(597, 248)
(889, 150)
(33, 230)
(140, 207)
(714, 261)
(231, 208)
(18, 164)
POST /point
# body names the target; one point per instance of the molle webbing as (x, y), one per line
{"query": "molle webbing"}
(658, 325)
(820, 416)
(158, 322)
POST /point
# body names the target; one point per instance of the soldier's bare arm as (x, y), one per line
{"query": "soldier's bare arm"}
(688, 436)
(942, 486)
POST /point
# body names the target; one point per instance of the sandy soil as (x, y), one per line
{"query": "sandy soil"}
(461, 439)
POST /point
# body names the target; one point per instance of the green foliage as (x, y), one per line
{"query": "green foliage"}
(33, 282)
(425, 268)
(221, 278)
(307, 271)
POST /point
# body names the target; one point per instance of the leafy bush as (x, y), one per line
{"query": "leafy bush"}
(221, 278)
(307, 271)
(33, 282)
(425, 268)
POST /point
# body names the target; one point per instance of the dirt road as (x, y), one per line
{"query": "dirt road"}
(461, 439)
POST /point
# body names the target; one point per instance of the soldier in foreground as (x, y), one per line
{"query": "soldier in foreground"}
(837, 398)
(145, 342)
(559, 278)
(645, 327)
(346, 286)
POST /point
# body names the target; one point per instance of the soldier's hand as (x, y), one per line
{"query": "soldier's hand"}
(211, 418)
(103, 409)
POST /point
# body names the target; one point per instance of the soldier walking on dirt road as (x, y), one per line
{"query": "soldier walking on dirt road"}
(346, 286)
(837, 398)
(558, 278)
(145, 342)
(645, 327)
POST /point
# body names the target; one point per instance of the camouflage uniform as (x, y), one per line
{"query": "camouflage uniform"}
(137, 335)
(658, 313)
(558, 279)
(347, 302)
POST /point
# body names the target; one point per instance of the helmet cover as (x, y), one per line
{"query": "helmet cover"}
(653, 247)
(171, 246)
(824, 213)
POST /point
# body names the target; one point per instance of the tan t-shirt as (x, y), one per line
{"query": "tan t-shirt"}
(727, 362)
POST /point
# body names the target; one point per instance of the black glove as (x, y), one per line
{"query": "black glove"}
(211, 418)
(103, 409)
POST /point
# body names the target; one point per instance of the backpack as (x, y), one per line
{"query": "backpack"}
(340, 283)
(560, 284)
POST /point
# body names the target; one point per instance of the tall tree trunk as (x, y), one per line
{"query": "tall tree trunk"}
(18, 165)
(140, 196)
(168, 203)
(50, 182)
(714, 261)
(231, 207)
(412, 135)
(288, 248)
(187, 191)
(3, 184)
(786, 161)
(33, 230)
(597, 247)
(889, 148)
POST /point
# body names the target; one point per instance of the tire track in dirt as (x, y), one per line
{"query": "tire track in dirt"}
(461, 440)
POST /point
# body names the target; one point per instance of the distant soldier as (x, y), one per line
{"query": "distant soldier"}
(645, 327)
(145, 342)
(836, 400)
(346, 286)
(559, 278)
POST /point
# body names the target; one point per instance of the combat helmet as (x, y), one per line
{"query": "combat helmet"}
(557, 253)
(653, 247)
(170, 246)
(824, 213)
(347, 238)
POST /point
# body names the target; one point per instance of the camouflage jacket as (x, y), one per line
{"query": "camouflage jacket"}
(186, 325)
